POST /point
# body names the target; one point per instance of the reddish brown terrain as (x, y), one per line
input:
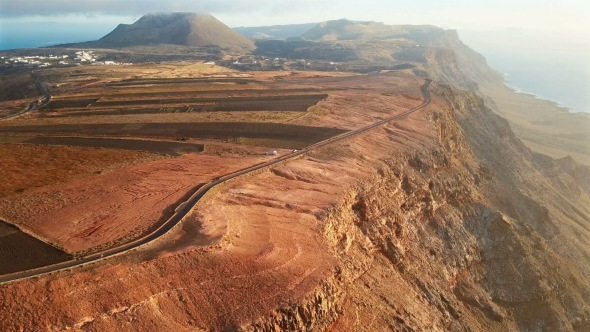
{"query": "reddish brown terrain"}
(91, 213)
(26, 167)
(440, 221)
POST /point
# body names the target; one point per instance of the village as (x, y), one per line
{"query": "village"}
(253, 62)
(78, 58)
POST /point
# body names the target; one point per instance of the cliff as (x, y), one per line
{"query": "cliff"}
(435, 52)
(471, 233)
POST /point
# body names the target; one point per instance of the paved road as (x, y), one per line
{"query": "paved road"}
(34, 105)
(186, 207)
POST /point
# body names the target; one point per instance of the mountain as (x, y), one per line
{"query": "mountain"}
(350, 30)
(188, 29)
(275, 31)
(427, 42)
(432, 51)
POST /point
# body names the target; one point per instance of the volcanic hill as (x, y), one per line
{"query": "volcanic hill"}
(187, 29)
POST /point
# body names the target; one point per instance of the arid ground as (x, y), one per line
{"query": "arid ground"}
(439, 221)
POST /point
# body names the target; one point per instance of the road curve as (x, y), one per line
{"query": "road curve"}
(187, 206)
(34, 104)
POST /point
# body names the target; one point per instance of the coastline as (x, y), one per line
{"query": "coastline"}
(534, 95)
(563, 109)
(543, 125)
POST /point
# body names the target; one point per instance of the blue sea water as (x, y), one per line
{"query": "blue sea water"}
(41, 34)
(560, 76)
(551, 65)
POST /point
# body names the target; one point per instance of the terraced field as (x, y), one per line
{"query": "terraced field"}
(169, 148)
(292, 136)
(202, 80)
(20, 251)
(214, 92)
(86, 107)
(69, 103)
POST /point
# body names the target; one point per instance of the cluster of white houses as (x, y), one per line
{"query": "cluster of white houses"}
(85, 56)
(79, 58)
(37, 60)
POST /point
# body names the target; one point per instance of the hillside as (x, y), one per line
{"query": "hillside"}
(349, 30)
(275, 31)
(187, 29)
(432, 51)
(426, 44)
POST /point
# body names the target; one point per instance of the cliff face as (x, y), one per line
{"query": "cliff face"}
(442, 49)
(478, 231)
(470, 233)
(472, 64)
(438, 63)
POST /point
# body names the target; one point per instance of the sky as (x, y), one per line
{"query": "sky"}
(572, 15)
(564, 21)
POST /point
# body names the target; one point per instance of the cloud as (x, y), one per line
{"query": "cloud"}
(20, 8)
(17, 8)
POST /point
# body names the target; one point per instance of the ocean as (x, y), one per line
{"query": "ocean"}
(559, 76)
(41, 34)
(551, 65)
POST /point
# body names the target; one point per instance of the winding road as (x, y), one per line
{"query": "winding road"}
(34, 104)
(187, 206)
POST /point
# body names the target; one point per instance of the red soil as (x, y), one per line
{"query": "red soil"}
(266, 247)
(93, 212)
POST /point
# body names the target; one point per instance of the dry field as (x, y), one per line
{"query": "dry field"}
(25, 167)
(159, 117)
(163, 147)
(292, 136)
(17, 84)
(239, 117)
(88, 107)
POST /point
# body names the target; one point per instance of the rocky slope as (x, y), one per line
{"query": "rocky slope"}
(436, 53)
(474, 234)
(188, 29)
(443, 221)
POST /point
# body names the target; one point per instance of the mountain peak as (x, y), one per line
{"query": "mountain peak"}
(180, 28)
